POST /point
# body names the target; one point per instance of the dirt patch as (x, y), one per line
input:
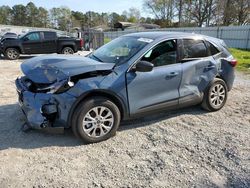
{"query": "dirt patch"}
(182, 148)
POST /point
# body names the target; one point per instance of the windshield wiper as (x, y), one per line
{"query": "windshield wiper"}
(98, 59)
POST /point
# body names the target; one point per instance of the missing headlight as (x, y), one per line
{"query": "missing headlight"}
(56, 88)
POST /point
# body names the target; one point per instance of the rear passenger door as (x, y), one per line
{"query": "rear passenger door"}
(199, 69)
(49, 42)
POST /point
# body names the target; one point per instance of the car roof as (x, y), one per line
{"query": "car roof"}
(163, 34)
(32, 31)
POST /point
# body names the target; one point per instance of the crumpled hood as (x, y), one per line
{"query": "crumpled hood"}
(52, 68)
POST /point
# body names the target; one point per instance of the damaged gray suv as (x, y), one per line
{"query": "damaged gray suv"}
(129, 77)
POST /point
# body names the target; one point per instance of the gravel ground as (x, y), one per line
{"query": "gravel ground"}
(184, 148)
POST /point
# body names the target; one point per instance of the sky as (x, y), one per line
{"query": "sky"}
(84, 5)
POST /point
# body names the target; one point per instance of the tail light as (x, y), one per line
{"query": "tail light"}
(81, 43)
(233, 62)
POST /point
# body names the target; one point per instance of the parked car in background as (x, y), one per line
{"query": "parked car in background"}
(129, 77)
(39, 42)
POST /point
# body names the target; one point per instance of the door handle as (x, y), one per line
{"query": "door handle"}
(172, 74)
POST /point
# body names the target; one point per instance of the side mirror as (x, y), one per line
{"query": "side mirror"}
(144, 66)
(25, 39)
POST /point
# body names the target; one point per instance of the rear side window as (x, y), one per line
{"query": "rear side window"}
(213, 50)
(49, 35)
(194, 49)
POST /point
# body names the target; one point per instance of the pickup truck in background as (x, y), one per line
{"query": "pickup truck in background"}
(39, 42)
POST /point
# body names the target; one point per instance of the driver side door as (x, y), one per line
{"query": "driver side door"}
(32, 43)
(159, 88)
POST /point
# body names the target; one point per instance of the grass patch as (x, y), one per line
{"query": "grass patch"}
(243, 58)
(106, 40)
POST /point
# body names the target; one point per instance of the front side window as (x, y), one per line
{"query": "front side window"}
(33, 37)
(120, 50)
(164, 53)
(194, 49)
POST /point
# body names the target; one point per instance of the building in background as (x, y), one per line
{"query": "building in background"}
(122, 26)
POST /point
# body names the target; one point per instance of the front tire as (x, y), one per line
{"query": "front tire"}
(67, 51)
(96, 119)
(12, 53)
(215, 96)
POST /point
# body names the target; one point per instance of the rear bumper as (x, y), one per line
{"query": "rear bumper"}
(227, 73)
(43, 110)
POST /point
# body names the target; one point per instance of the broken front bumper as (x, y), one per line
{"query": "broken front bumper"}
(43, 110)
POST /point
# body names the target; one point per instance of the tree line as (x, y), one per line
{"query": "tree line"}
(166, 13)
(199, 12)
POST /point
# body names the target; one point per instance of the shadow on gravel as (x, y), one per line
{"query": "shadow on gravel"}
(11, 136)
(232, 181)
(26, 57)
(151, 119)
(12, 119)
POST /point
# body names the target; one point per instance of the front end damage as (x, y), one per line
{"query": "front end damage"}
(43, 110)
(43, 91)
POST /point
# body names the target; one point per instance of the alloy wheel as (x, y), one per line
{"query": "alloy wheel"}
(68, 51)
(98, 121)
(217, 95)
(12, 54)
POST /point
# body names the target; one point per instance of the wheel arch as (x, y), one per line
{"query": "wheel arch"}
(102, 93)
(221, 77)
(16, 47)
(67, 45)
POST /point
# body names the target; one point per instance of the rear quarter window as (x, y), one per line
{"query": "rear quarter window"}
(226, 50)
(212, 49)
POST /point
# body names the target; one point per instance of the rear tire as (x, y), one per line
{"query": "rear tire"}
(12, 53)
(67, 51)
(215, 95)
(96, 119)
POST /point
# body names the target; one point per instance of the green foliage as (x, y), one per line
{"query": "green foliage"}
(19, 15)
(31, 14)
(61, 17)
(106, 40)
(166, 13)
(5, 15)
(243, 58)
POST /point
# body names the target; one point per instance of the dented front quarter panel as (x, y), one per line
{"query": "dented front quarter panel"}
(113, 84)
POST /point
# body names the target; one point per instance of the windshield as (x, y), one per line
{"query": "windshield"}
(120, 50)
